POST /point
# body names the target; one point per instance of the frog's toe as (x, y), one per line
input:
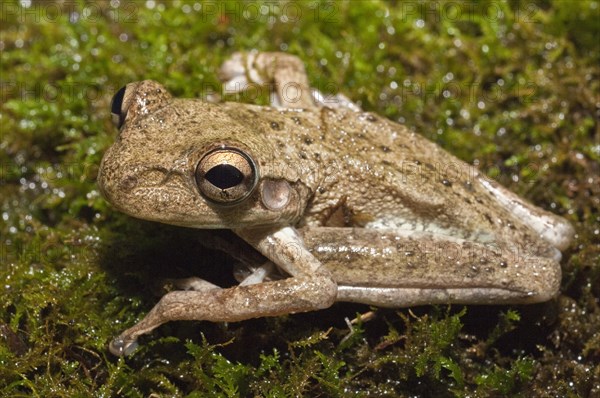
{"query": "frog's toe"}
(235, 85)
(193, 283)
(253, 275)
(337, 101)
(237, 73)
(120, 347)
(233, 66)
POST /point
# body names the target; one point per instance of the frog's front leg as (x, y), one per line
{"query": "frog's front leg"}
(311, 287)
(282, 72)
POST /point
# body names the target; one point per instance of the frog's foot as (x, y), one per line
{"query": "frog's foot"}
(238, 73)
(367, 316)
(337, 101)
(192, 283)
(249, 275)
(126, 344)
(282, 73)
(120, 347)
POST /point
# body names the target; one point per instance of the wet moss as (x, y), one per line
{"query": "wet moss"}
(509, 86)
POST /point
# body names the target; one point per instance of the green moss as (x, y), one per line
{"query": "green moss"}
(511, 86)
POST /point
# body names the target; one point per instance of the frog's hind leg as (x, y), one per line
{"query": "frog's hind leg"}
(401, 268)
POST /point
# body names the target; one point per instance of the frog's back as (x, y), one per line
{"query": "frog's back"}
(366, 164)
(368, 171)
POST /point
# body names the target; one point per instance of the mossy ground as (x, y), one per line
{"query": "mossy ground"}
(512, 87)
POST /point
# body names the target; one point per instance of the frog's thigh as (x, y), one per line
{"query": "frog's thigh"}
(399, 268)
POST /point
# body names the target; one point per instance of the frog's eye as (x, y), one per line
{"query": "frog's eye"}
(118, 106)
(226, 175)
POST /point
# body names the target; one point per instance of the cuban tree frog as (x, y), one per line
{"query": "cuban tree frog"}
(348, 205)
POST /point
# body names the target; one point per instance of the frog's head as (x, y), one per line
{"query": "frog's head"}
(187, 162)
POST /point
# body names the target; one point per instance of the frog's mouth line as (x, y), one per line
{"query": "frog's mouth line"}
(407, 297)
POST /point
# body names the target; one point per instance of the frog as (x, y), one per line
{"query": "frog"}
(342, 205)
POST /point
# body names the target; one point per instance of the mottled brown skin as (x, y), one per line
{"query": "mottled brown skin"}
(376, 213)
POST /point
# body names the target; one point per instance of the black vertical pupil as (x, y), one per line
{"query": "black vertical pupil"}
(117, 104)
(224, 176)
(117, 101)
